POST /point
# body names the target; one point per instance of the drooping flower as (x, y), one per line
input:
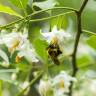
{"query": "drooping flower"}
(61, 37)
(13, 40)
(61, 83)
(17, 41)
(59, 34)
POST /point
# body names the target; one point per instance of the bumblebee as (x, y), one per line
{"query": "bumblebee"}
(54, 50)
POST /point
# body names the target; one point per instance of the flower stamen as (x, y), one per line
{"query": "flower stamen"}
(61, 84)
(18, 59)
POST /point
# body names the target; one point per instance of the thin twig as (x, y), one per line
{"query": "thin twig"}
(79, 31)
(51, 17)
(35, 13)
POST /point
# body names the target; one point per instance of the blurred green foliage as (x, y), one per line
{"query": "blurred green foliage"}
(84, 61)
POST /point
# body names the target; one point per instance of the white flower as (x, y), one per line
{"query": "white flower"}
(44, 87)
(61, 82)
(13, 40)
(26, 50)
(58, 84)
(59, 34)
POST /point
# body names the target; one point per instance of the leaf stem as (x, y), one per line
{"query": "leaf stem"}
(35, 13)
(23, 8)
(89, 32)
(51, 17)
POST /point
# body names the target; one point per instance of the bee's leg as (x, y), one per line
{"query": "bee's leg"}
(56, 61)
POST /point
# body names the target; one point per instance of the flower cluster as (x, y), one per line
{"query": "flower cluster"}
(17, 41)
(58, 85)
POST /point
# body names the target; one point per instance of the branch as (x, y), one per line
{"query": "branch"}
(83, 6)
(50, 17)
(79, 31)
(35, 13)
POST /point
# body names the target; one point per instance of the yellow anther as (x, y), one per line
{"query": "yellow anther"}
(18, 59)
(54, 40)
(61, 84)
(15, 43)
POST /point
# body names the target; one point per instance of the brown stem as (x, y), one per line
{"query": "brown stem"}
(79, 31)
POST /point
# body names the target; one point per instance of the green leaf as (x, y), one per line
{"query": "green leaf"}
(19, 3)
(8, 10)
(40, 47)
(34, 31)
(6, 77)
(61, 22)
(23, 67)
(84, 60)
(92, 42)
(67, 3)
(45, 4)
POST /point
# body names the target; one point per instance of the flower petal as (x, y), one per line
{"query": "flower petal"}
(4, 56)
